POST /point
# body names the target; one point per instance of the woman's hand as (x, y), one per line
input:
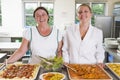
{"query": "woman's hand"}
(101, 65)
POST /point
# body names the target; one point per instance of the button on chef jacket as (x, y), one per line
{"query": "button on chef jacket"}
(87, 51)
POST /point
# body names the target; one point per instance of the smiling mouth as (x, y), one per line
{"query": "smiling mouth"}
(42, 20)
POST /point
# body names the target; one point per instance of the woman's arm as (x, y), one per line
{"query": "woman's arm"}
(20, 52)
(65, 48)
(59, 53)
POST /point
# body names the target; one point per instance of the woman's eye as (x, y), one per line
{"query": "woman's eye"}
(43, 14)
(80, 12)
(86, 11)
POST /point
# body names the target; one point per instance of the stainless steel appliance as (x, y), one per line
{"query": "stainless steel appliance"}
(116, 13)
(105, 23)
(116, 27)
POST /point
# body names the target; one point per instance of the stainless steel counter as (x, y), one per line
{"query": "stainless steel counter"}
(111, 74)
(64, 71)
(9, 46)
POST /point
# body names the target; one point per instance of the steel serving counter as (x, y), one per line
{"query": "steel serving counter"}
(64, 71)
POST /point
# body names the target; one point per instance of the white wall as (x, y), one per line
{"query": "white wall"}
(12, 17)
(64, 13)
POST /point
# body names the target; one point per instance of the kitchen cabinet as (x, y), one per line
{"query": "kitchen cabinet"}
(10, 47)
(5, 39)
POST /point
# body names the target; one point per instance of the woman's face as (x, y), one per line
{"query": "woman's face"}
(84, 14)
(41, 16)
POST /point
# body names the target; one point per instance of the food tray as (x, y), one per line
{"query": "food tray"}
(1, 66)
(90, 72)
(114, 68)
(33, 70)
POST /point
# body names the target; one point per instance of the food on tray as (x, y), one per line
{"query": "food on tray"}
(20, 71)
(52, 76)
(87, 71)
(115, 67)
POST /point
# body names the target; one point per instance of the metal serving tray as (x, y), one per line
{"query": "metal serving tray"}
(2, 66)
(74, 76)
(34, 73)
(114, 68)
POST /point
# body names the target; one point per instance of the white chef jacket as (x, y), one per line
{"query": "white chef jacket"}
(86, 51)
(42, 46)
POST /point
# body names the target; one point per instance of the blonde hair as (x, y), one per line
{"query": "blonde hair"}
(86, 6)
